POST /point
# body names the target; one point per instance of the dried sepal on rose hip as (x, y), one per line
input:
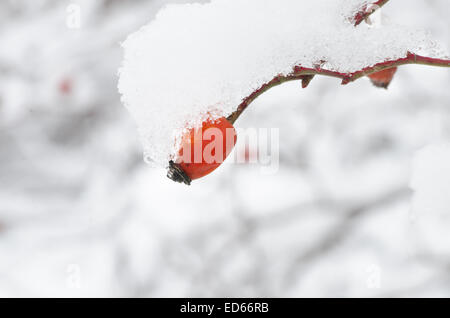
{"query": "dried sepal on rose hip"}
(202, 150)
(383, 78)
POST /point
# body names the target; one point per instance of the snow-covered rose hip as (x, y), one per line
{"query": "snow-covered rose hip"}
(383, 78)
(202, 150)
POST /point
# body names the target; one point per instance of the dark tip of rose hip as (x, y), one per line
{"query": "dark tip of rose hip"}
(175, 173)
(381, 84)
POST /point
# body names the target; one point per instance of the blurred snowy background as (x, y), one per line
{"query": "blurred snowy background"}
(82, 215)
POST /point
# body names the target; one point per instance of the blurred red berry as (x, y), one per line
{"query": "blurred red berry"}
(383, 78)
(250, 154)
(65, 86)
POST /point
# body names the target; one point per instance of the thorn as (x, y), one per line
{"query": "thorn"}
(306, 80)
(319, 64)
(345, 81)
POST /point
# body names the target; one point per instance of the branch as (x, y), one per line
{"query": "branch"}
(367, 11)
(305, 75)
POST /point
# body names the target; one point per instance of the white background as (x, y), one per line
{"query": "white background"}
(82, 215)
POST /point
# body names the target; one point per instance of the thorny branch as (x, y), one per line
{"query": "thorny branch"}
(307, 74)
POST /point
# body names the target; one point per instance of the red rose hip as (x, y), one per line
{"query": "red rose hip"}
(203, 150)
(383, 78)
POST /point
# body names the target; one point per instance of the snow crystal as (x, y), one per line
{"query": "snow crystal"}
(199, 60)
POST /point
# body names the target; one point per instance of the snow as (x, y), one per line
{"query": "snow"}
(431, 201)
(199, 60)
(431, 179)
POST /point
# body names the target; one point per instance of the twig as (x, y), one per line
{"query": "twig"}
(367, 11)
(304, 74)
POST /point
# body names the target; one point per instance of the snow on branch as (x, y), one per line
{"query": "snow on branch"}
(306, 74)
(367, 10)
(196, 61)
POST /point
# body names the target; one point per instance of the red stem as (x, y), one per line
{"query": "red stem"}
(305, 74)
(367, 11)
